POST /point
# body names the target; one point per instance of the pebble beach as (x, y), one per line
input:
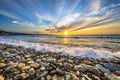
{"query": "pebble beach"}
(18, 63)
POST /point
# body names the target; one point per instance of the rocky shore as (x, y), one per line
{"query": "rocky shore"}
(17, 63)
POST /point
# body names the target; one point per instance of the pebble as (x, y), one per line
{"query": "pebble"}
(2, 65)
(1, 77)
(21, 65)
(24, 75)
(31, 71)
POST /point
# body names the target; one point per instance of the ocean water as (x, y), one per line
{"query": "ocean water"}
(94, 46)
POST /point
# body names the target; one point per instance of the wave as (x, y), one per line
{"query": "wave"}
(66, 50)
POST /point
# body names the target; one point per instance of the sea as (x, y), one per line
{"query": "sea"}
(93, 46)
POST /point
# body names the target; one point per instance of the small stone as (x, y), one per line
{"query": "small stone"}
(42, 68)
(55, 77)
(35, 65)
(1, 77)
(21, 65)
(24, 75)
(68, 77)
(83, 78)
(48, 77)
(103, 69)
(26, 68)
(2, 65)
(31, 71)
(43, 74)
(11, 66)
(86, 76)
(112, 76)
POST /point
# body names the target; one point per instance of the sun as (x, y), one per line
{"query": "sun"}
(65, 33)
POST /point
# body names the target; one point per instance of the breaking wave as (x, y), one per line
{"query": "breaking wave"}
(66, 50)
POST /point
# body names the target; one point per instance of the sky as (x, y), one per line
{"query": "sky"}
(58, 16)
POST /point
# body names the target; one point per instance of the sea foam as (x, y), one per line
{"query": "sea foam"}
(66, 50)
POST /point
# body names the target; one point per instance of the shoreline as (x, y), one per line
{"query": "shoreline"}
(27, 64)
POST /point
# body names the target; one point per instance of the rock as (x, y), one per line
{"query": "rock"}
(42, 78)
(43, 74)
(86, 76)
(21, 65)
(55, 77)
(57, 72)
(2, 65)
(11, 66)
(96, 72)
(30, 62)
(102, 69)
(68, 66)
(83, 78)
(74, 77)
(31, 71)
(112, 67)
(112, 76)
(2, 61)
(26, 68)
(24, 75)
(68, 77)
(48, 77)
(82, 67)
(35, 65)
(42, 68)
(94, 77)
(1, 77)
(117, 72)
(51, 60)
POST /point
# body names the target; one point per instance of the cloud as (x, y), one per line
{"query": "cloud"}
(45, 18)
(60, 6)
(23, 23)
(67, 20)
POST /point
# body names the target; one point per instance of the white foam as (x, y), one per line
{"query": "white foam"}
(72, 51)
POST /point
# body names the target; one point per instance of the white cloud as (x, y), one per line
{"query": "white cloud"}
(67, 20)
(45, 17)
(60, 6)
(95, 7)
(23, 23)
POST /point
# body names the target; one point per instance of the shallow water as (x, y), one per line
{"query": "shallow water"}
(92, 46)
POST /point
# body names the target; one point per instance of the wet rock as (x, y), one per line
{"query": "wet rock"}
(24, 75)
(1, 77)
(101, 68)
(112, 76)
(31, 71)
(82, 67)
(96, 72)
(51, 60)
(94, 77)
(86, 76)
(2, 65)
(21, 65)
(112, 67)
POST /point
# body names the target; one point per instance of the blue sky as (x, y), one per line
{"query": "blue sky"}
(37, 16)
